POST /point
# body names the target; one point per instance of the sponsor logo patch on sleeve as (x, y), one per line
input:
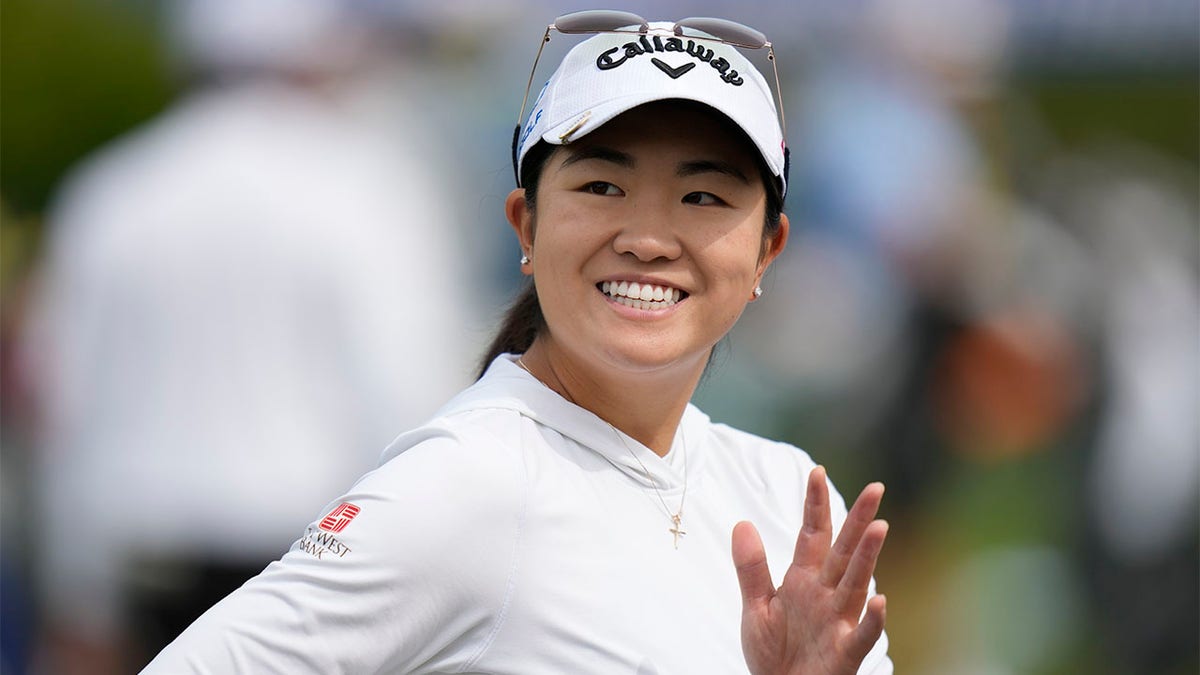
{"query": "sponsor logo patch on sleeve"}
(339, 517)
(320, 542)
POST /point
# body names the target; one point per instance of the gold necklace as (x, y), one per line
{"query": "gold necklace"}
(676, 530)
(677, 518)
(565, 394)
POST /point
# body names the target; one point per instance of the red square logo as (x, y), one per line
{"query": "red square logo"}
(339, 518)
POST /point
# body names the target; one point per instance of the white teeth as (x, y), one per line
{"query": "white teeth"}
(641, 296)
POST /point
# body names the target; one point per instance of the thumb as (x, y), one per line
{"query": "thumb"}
(750, 560)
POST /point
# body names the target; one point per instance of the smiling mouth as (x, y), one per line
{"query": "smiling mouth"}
(641, 296)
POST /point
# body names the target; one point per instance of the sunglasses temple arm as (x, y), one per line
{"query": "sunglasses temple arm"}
(778, 91)
(529, 85)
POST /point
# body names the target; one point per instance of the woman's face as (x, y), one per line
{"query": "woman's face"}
(663, 204)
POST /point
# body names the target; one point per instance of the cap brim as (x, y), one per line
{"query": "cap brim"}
(588, 121)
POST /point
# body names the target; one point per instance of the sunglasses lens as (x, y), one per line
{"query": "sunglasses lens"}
(723, 29)
(598, 20)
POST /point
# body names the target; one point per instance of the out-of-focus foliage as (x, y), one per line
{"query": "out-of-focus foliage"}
(73, 74)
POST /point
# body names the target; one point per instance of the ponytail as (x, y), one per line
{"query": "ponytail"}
(522, 323)
(523, 320)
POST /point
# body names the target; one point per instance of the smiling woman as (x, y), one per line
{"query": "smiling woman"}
(572, 511)
(659, 197)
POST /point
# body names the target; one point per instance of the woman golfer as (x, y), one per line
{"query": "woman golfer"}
(571, 512)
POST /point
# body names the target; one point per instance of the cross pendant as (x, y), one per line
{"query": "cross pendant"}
(676, 530)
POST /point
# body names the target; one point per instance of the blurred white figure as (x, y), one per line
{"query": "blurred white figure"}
(242, 303)
(1146, 484)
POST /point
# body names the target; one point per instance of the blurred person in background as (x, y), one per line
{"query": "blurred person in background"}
(240, 304)
(1140, 545)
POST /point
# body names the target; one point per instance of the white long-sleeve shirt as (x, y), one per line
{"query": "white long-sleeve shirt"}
(517, 533)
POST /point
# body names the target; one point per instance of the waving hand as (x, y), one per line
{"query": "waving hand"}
(811, 624)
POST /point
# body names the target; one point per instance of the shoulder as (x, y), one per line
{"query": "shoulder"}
(449, 496)
(460, 470)
(762, 456)
(465, 456)
(411, 565)
(481, 434)
(774, 468)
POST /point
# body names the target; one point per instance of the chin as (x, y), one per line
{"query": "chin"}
(654, 358)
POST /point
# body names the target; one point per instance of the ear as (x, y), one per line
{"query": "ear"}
(775, 246)
(520, 218)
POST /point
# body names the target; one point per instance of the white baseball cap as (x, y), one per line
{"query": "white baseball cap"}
(611, 73)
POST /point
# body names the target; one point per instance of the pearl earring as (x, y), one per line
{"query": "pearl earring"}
(524, 260)
(757, 291)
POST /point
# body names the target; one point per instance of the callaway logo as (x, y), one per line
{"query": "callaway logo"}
(673, 72)
(643, 45)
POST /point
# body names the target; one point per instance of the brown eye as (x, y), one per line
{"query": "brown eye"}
(702, 199)
(603, 188)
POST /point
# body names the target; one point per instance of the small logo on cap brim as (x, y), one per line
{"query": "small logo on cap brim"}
(565, 136)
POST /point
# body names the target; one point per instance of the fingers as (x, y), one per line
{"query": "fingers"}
(812, 544)
(750, 559)
(852, 589)
(859, 642)
(861, 515)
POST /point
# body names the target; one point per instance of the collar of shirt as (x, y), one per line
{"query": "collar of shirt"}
(506, 385)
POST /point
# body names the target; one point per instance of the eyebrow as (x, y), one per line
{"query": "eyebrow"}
(625, 160)
(701, 166)
(601, 153)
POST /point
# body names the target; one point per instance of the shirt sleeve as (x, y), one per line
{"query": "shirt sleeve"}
(408, 572)
(877, 661)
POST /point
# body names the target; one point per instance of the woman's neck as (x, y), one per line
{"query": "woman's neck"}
(645, 405)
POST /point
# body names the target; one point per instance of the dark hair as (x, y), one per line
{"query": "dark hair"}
(524, 319)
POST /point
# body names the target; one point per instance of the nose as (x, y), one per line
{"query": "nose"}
(648, 234)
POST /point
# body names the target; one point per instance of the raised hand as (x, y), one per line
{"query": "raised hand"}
(811, 624)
